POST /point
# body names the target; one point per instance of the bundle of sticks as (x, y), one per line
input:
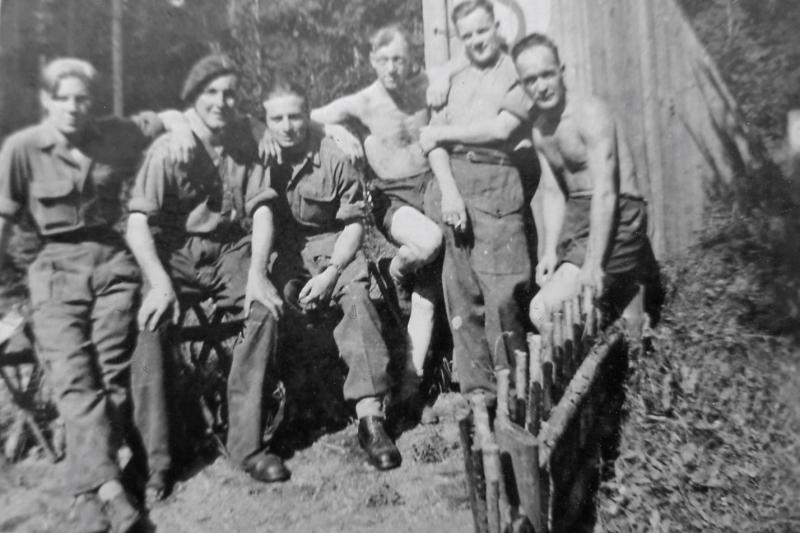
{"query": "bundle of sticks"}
(507, 445)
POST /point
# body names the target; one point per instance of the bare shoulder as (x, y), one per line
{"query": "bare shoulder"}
(593, 116)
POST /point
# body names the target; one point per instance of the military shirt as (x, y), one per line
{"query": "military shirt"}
(212, 193)
(318, 195)
(479, 94)
(62, 194)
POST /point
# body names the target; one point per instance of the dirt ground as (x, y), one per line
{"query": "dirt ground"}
(332, 489)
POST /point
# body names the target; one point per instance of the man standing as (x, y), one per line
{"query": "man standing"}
(190, 230)
(67, 173)
(594, 218)
(482, 200)
(393, 108)
(319, 209)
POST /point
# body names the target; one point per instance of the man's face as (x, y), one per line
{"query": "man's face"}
(68, 106)
(215, 105)
(392, 63)
(541, 76)
(287, 119)
(478, 32)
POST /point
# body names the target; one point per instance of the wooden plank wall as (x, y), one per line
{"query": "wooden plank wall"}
(643, 57)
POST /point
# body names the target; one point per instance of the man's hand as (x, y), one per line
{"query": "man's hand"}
(592, 276)
(545, 268)
(268, 149)
(346, 141)
(454, 211)
(438, 88)
(260, 289)
(428, 138)
(318, 290)
(158, 301)
(181, 144)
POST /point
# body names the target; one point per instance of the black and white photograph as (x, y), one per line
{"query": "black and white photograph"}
(384, 266)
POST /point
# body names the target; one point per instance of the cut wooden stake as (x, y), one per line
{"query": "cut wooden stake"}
(502, 376)
(473, 467)
(521, 386)
(534, 411)
(480, 418)
(547, 369)
(491, 471)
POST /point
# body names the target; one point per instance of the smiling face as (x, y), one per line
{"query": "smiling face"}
(287, 120)
(216, 103)
(69, 104)
(478, 32)
(392, 63)
(541, 76)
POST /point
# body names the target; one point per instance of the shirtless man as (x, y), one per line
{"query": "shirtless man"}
(594, 218)
(393, 109)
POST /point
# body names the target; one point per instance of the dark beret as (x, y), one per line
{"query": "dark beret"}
(204, 70)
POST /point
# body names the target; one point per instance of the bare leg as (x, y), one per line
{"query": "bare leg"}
(420, 242)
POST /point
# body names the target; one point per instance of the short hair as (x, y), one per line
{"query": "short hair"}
(283, 85)
(535, 39)
(66, 67)
(387, 34)
(466, 7)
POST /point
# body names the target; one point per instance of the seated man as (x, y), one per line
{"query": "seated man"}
(318, 210)
(393, 108)
(595, 220)
(190, 230)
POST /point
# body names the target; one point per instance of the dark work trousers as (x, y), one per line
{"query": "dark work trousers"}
(204, 268)
(84, 298)
(485, 270)
(358, 334)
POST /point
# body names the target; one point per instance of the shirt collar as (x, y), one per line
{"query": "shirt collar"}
(48, 136)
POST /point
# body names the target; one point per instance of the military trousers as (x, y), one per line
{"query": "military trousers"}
(486, 270)
(357, 334)
(84, 297)
(203, 268)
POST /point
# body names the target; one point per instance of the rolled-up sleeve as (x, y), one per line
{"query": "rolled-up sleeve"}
(12, 180)
(350, 191)
(259, 190)
(517, 102)
(152, 180)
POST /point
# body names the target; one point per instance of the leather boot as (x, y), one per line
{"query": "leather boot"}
(381, 451)
(267, 468)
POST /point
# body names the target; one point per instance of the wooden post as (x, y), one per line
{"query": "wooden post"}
(502, 376)
(521, 387)
(534, 415)
(473, 467)
(491, 470)
(547, 369)
(116, 57)
(435, 29)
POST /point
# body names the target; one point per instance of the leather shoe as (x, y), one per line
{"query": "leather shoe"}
(381, 451)
(157, 488)
(267, 468)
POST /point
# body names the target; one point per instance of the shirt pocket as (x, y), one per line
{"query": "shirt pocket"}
(55, 204)
(317, 205)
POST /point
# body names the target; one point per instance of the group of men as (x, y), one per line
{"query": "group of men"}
(454, 176)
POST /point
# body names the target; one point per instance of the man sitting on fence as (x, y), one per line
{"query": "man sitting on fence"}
(319, 210)
(595, 220)
(190, 230)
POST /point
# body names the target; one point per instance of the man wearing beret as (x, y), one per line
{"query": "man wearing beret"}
(200, 230)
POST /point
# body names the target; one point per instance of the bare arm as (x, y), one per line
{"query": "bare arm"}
(453, 209)
(599, 134)
(340, 110)
(498, 129)
(439, 78)
(319, 288)
(161, 297)
(259, 287)
(553, 204)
